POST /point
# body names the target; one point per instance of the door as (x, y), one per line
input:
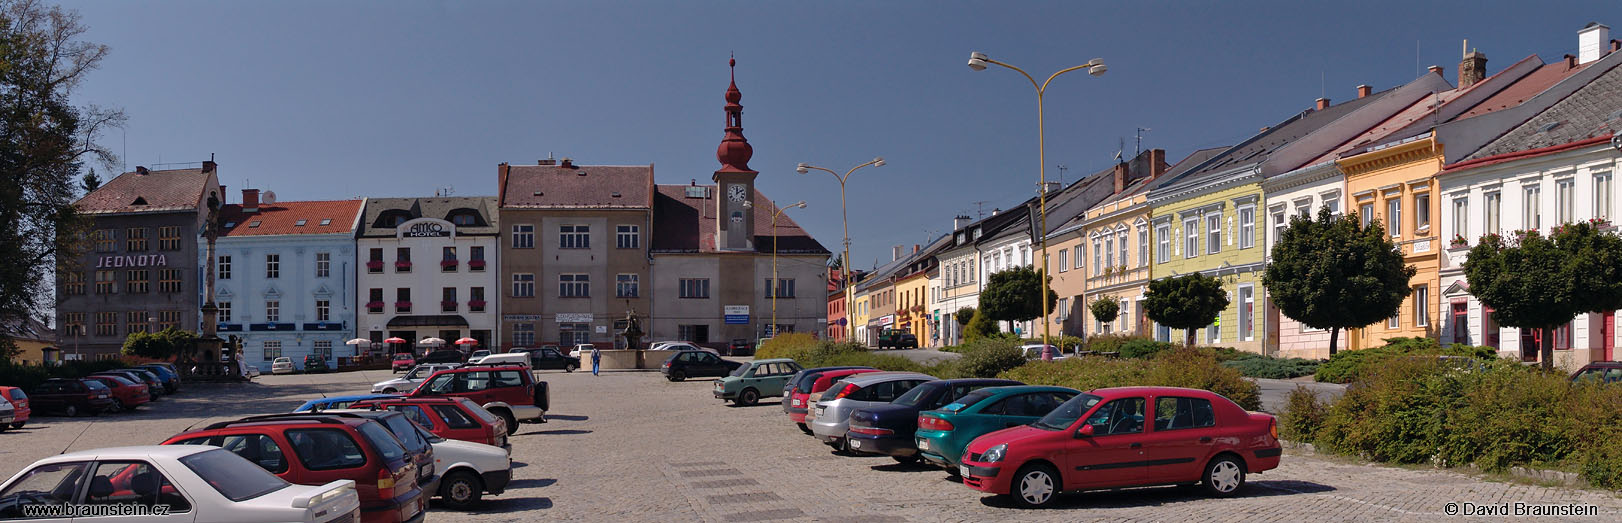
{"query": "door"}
(1179, 439)
(475, 385)
(55, 484)
(135, 483)
(1114, 454)
(1608, 337)
(1461, 323)
(708, 365)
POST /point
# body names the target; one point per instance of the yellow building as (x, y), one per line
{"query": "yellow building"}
(35, 343)
(911, 311)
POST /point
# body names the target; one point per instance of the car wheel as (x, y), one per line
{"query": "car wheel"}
(677, 375)
(1035, 485)
(116, 407)
(747, 398)
(1224, 476)
(19, 424)
(71, 411)
(512, 423)
(390, 390)
(806, 429)
(569, 368)
(461, 490)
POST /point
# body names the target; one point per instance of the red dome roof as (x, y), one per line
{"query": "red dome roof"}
(734, 151)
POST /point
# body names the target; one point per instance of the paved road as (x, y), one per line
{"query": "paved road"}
(630, 446)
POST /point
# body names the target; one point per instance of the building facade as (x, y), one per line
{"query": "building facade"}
(284, 278)
(139, 271)
(428, 267)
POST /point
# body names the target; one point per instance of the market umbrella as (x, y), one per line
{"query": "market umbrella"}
(358, 341)
(431, 341)
(467, 341)
(394, 340)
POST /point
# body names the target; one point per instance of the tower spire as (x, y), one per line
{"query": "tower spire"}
(734, 152)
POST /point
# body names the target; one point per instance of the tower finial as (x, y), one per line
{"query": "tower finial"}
(734, 152)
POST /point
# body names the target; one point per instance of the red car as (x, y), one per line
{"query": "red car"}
(126, 393)
(404, 361)
(449, 418)
(318, 449)
(20, 401)
(505, 389)
(800, 400)
(1100, 440)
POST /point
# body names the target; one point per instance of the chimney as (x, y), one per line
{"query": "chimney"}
(141, 170)
(566, 163)
(1616, 45)
(223, 193)
(1323, 103)
(546, 161)
(250, 200)
(895, 253)
(1053, 187)
(915, 248)
(1120, 177)
(1364, 90)
(959, 222)
(1591, 40)
(1472, 69)
(209, 165)
(995, 212)
(1435, 69)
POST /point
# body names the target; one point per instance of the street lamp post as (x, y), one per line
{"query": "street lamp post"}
(1095, 67)
(844, 264)
(775, 287)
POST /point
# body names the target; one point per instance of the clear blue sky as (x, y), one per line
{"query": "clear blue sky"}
(324, 100)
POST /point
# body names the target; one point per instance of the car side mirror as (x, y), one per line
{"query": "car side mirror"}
(1086, 431)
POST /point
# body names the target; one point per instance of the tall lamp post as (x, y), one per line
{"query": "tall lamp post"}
(776, 286)
(1095, 67)
(844, 264)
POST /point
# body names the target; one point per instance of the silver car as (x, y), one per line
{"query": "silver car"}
(8, 414)
(830, 415)
(411, 379)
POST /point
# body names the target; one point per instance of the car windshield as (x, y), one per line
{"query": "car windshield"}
(96, 385)
(398, 357)
(1067, 413)
(233, 476)
(470, 406)
(916, 396)
(406, 431)
(120, 380)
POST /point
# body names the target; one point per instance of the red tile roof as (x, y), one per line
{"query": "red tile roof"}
(687, 225)
(576, 186)
(168, 190)
(284, 217)
(1525, 88)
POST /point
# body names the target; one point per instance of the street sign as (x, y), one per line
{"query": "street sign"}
(733, 310)
(737, 319)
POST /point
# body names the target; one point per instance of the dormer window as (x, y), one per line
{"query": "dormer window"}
(326, 222)
(396, 220)
(300, 223)
(464, 217)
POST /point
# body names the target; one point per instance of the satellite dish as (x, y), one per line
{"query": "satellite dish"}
(268, 198)
(1616, 141)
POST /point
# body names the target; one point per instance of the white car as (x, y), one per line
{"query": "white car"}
(8, 414)
(468, 470)
(197, 482)
(579, 349)
(247, 370)
(474, 357)
(411, 379)
(681, 345)
(1033, 351)
(282, 365)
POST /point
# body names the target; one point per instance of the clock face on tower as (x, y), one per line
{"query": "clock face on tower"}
(735, 192)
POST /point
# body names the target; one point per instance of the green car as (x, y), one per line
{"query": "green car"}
(944, 433)
(762, 378)
(313, 363)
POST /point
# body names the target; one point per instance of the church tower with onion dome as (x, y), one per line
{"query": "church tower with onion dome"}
(734, 181)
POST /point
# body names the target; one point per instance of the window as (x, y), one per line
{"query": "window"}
(1122, 416)
(1279, 225)
(323, 349)
(104, 240)
(475, 258)
(1143, 246)
(447, 300)
(1163, 243)
(1532, 209)
(106, 282)
(169, 280)
(1064, 260)
(625, 286)
(1332, 203)
(223, 271)
(1395, 320)
(1064, 306)
(332, 449)
(155, 490)
(273, 311)
(695, 288)
(1109, 252)
(135, 281)
(1247, 227)
(1366, 214)
(273, 266)
(1183, 413)
(1461, 216)
(402, 259)
(1213, 238)
(167, 319)
(135, 321)
(693, 333)
(574, 285)
(374, 301)
(1422, 306)
(1602, 195)
(135, 239)
(463, 220)
(402, 300)
(224, 314)
(374, 261)
(570, 334)
(323, 310)
(785, 289)
(106, 324)
(1098, 260)
(1564, 195)
(1393, 217)
(523, 236)
(323, 264)
(1191, 237)
(169, 238)
(524, 334)
(1490, 212)
(523, 285)
(627, 237)
(574, 237)
(73, 283)
(1247, 307)
(475, 299)
(1422, 212)
(1120, 242)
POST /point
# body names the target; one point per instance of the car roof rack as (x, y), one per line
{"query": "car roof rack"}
(471, 365)
(317, 417)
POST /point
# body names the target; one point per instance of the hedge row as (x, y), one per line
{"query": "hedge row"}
(28, 377)
(1195, 368)
(983, 358)
(1348, 366)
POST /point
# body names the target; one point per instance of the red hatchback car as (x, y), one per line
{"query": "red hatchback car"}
(307, 449)
(449, 418)
(19, 400)
(800, 400)
(127, 394)
(506, 390)
(1125, 437)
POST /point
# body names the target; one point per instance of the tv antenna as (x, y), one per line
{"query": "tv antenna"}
(1140, 141)
(1062, 168)
(980, 207)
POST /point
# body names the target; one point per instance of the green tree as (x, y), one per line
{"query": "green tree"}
(964, 315)
(979, 326)
(1185, 302)
(1105, 309)
(43, 141)
(1333, 273)
(1537, 282)
(1015, 295)
(90, 182)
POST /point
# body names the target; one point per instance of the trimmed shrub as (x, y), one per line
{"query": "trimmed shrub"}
(1273, 368)
(986, 358)
(979, 327)
(787, 345)
(1348, 366)
(1142, 348)
(28, 377)
(1303, 415)
(1191, 368)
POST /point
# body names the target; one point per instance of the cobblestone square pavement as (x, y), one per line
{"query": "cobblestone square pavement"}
(630, 446)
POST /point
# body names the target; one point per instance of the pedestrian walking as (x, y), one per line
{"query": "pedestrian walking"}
(596, 360)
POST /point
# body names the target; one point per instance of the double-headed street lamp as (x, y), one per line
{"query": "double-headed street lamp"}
(844, 264)
(776, 285)
(1095, 67)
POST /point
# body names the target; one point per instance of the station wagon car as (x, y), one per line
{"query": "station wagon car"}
(761, 378)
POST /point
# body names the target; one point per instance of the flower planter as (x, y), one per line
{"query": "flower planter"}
(402, 306)
(374, 265)
(447, 263)
(402, 265)
(447, 305)
(476, 303)
(374, 305)
(475, 264)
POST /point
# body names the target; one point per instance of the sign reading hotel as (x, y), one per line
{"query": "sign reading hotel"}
(143, 260)
(426, 228)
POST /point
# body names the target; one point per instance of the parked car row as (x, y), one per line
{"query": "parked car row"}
(1024, 442)
(113, 390)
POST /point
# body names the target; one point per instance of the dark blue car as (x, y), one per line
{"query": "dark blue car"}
(170, 380)
(888, 429)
